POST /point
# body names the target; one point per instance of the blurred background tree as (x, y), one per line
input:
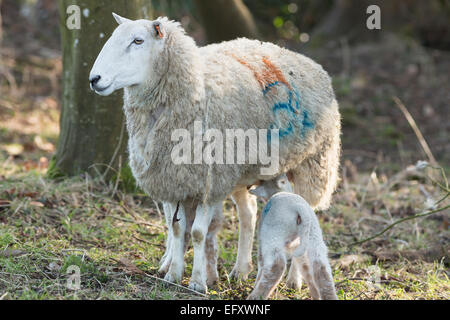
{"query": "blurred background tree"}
(93, 136)
(226, 20)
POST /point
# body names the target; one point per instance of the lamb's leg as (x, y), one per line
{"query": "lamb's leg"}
(167, 257)
(247, 209)
(178, 223)
(309, 279)
(212, 249)
(269, 276)
(203, 217)
(324, 280)
(294, 278)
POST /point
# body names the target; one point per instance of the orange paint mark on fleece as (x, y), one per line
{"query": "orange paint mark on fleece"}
(273, 74)
(258, 77)
(269, 75)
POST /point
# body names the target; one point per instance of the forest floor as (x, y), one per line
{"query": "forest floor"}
(117, 238)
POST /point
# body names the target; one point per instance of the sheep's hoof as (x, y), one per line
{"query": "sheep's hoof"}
(168, 277)
(238, 274)
(197, 287)
(163, 269)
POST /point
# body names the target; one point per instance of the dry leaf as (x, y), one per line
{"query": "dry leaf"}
(130, 266)
(37, 204)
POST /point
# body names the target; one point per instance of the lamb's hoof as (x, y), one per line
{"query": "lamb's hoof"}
(294, 284)
(197, 287)
(254, 296)
(213, 278)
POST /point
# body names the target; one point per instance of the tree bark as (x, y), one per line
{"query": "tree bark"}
(1, 34)
(226, 20)
(92, 133)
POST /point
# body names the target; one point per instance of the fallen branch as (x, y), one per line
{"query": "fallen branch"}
(423, 214)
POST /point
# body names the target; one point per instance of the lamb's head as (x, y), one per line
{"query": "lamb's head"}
(129, 54)
(268, 188)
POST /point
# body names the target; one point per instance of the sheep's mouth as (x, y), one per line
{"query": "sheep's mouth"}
(103, 91)
(97, 89)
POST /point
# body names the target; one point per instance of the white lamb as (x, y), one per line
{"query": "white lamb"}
(289, 229)
(170, 83)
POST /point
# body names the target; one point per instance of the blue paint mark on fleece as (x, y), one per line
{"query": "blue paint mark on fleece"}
(269, 86)
(267, 208)
(296, 119)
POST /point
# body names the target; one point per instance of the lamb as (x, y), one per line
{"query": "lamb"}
(170, 84)
(291, 231)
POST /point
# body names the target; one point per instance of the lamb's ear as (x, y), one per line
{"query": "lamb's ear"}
(259, 192)
(158, 31)
(283, 183)
(120, 19)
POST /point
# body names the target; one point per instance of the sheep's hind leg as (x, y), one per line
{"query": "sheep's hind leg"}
(247, 209)
(167, 257)
(175, 272)
(202, 221)
(211, 248)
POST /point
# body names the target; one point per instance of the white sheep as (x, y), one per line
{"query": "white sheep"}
(289, 229)
(170, 83)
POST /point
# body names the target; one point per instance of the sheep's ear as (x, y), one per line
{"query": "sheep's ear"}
(120, 19)
(259, 192)
(158, 30)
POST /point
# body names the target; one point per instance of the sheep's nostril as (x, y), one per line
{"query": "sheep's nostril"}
(94, 79)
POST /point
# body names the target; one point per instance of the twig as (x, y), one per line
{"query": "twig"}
(137, 222)
(416, 130)
(424, 214)
(176, 285)
(116, 151)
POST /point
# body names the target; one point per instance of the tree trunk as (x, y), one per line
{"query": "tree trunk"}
(92, 135)
(226, 20)
(1, 34)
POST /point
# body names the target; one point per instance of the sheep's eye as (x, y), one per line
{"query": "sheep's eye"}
(138, 41)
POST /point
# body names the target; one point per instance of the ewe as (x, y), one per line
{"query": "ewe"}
(291, 230)
(170, 83)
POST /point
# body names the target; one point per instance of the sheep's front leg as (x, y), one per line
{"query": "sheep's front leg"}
(167, 257)
(247, 209)
(212, 249)
(178, 221)
(269, 276)
(203, 217)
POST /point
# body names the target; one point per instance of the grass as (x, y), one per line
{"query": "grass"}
(117, 239)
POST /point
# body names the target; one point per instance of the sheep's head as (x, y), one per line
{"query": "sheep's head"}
(128, 56)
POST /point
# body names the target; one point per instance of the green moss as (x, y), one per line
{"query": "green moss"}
(127, 182)
(53, 171)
